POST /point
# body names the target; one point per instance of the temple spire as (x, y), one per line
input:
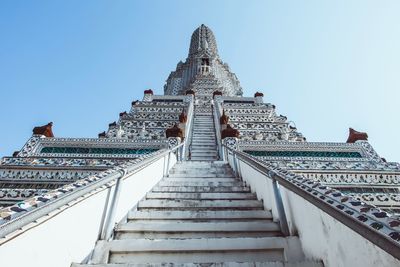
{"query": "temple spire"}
(203, 65)
(203, 42)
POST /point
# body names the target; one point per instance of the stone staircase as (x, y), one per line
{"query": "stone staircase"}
(200, 215)
(203, 146)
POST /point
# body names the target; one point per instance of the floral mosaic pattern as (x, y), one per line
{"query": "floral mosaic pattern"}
(97, 150)
(60, 162)
(358, 178)
(20, 194)
(43, 175)
(313, 154)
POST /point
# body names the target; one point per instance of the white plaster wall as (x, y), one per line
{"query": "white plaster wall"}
(70, 235)
(322, 237)
(261, 185)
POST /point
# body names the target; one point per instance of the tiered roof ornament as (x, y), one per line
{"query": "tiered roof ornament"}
(202, 60)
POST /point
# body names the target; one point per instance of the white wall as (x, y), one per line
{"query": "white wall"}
(71, 234)
(322, 236)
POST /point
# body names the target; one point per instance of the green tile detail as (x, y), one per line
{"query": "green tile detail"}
(312, 154)
(97, 150)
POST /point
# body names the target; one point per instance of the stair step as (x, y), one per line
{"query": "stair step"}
(202, 175)
(203, 159)
(200, 171)
(168, 226)
(204, 152)
(306, 263)
(225, 176)
(198, 182)
(181, 235)
(203, 196)
(200, 154)
(196, 169)
(204, 147)
(201, 189)
(215, 164)
(187, 229)
(208, 179)
(191, 204)
(199, 250)
(200, 215)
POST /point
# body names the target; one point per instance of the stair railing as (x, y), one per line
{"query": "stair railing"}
(217, 128)
(107, 178)
(235, 164)
(380, 228)
(110, 206)
(188, 131)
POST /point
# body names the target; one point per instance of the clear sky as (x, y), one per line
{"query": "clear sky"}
(326, 65)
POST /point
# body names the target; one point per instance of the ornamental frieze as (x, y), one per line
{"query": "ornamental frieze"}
(48, 175)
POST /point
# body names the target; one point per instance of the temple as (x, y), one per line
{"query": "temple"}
(199, 176)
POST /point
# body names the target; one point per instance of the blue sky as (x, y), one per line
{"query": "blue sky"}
(326, 65)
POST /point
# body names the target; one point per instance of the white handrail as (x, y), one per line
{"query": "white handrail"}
(188, 130)
(217, 127)
(370, 222)
(110, 176)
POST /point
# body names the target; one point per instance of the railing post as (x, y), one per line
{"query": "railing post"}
(103, 216)
(108, 227)
(182, 151)
(164, 167)
(167, 170)
(238, 167)
(235, 165)
(279, 205)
